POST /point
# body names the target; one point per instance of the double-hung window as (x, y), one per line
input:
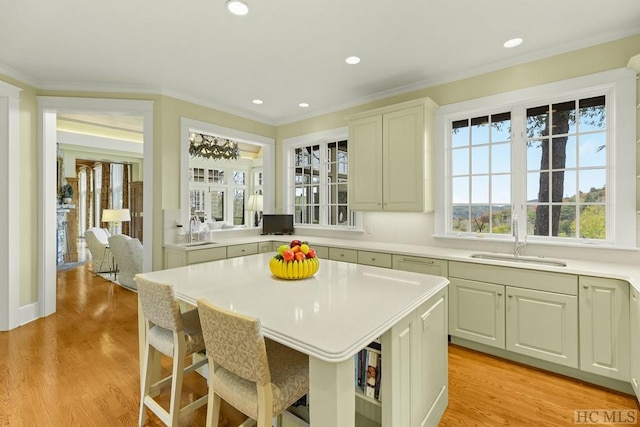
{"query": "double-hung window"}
(317, 177)
(560, 161)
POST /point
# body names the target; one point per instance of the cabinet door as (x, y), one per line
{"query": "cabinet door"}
(543, 325)
(365, 164)
(476, 311)
(635, 341)
(341, 254)
(604, 327)
(376, 259)
(435, 267)
(403, 159)
(242, 250)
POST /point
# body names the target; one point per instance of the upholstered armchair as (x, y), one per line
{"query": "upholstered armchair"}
(98, 244)
(127, 253)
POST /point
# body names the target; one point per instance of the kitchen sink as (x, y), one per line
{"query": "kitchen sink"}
(520, 259)
(191, 244)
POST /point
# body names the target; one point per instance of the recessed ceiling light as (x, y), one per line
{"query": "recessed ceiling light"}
(257, 101)
(237, 7)
(512, 43)
(352, 60)
(303, 105)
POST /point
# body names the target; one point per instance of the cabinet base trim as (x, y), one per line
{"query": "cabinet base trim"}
(601, 381)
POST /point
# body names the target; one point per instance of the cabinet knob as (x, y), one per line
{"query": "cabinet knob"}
(585, 286)
(510, 296)
(499, 294)
(373, 259)
(342, 255)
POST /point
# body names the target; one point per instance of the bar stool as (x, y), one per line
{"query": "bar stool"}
(258, 376)
(174, 334)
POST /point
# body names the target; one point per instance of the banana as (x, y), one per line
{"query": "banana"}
(289, 270)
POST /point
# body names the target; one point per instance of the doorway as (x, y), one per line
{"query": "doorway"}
(48, 110)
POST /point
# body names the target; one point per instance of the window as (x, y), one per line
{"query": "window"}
(481, 174)
(213, 196)
(317, 177)
(545, 155)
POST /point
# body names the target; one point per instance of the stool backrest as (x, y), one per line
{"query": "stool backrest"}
(235, 342)
(159, 304)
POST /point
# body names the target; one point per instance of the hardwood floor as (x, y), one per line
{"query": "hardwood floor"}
(79, 367)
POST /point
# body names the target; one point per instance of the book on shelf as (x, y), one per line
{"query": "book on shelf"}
(376, 394)
(371, 374)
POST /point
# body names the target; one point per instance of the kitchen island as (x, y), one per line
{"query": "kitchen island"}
(333, 315)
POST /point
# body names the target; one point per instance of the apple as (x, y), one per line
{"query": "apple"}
(299, 256)
(311, 253)
(295, 243)
(282, 248)
(288, 255)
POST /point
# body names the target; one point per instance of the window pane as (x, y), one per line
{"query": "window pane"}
(592, 114)
(480, 130)
(566, 222)
(534, 155)
(480, 190)
(501, 158)
(460, 133)
(480, 160)
(501, 127)
(593, 186)
(460, 190)
(501, 220)
(480, 219)
(538, 220)
(537, 121)
(563, 117)
(460, 218)
(559, 153)
(593, 222)
(534, 182)
(460, 161)
(593, 150)
(238, 206)
(501, 189)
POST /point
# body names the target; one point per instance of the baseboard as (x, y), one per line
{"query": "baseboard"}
(598, 380)
(28, 313)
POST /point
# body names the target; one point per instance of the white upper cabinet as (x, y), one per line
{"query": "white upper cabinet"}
(390, 158)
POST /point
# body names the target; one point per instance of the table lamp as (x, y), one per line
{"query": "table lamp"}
(254, 203)
(116, 216)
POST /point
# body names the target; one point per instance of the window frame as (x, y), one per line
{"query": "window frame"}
(619, 88)
(288, 200)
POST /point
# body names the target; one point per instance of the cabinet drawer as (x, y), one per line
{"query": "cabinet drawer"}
(436, 267)
(321, 251)
(264, 247)
(204, 255)
(376, 259)
(242, 250)
(346, 255)
(517, 277)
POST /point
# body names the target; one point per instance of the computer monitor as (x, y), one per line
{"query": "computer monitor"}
(277, 224)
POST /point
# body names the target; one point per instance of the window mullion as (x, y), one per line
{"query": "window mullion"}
(519, 168)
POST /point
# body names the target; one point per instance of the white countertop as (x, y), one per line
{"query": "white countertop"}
(628, 272)
(309, 315)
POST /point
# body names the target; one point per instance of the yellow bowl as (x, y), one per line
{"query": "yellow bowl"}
(293, 270)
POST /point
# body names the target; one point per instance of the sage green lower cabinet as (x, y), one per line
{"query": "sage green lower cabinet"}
(529, 312)
(435, 267)
(264, 247)
(543, 325)
(341, 254)
(604, 327)
(476, 311)
(376, 259)
(179, 257)
(245, 249)
(634, 351)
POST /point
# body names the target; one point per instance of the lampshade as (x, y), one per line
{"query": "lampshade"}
(115, 215)
(254, 203)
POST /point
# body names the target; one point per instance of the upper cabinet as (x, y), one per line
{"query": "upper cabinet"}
(390, 158)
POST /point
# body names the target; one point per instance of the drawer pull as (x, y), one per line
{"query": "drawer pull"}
(499, 294)
(416, 261)
(585, 286)
(342, 255)
(373, 259)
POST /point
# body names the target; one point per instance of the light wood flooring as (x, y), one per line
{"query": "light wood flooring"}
(79, 367)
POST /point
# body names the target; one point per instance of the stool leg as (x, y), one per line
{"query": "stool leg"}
(145, 385)
(176, 382)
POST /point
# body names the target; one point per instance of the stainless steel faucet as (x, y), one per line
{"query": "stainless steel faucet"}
(518, 246)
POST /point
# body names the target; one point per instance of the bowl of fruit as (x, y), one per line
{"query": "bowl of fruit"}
(296, 260)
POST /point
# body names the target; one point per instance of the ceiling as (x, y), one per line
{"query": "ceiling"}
(289, 51)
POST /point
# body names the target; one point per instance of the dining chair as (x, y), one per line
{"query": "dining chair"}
(257, 376)
(174, 334)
